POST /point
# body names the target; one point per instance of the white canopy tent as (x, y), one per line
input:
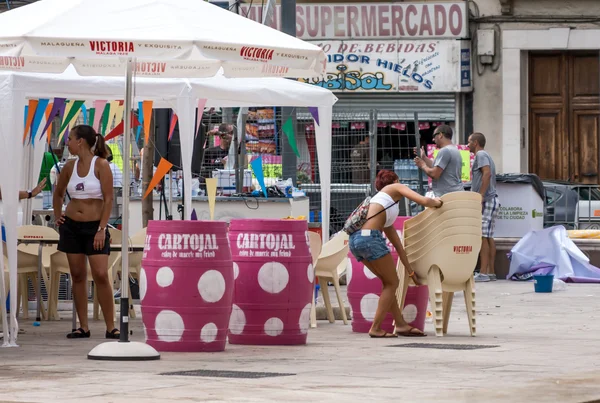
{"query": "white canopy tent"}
(157, 38)
(179, 94)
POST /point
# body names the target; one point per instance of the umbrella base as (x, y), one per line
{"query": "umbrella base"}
(123, 351)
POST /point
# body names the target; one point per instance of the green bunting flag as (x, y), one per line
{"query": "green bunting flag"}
(288, 130)
(104, 121)
(92, 114)
(76, 107)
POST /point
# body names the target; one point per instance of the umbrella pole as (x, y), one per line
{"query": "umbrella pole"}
(124, 350)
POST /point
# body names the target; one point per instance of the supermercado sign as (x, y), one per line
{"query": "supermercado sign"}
(373, 20)
(396, 66)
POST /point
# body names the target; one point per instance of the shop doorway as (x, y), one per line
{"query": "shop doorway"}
(564, 115)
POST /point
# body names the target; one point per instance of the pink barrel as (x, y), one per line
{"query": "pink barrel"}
(364, 289)
(274, 280)
(186, 285)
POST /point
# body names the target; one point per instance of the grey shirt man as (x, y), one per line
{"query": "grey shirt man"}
(483, 159)
(450, 160)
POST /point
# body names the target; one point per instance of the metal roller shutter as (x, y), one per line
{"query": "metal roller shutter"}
(431, 107)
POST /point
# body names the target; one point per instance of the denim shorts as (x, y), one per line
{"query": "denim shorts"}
(368, 244)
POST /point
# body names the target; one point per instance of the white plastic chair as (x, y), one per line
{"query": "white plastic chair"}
(333, 254)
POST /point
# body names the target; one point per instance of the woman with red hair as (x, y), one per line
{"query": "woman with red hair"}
(368, 246)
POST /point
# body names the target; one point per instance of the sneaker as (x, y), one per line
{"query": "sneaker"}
(481, 278)
(492, 277)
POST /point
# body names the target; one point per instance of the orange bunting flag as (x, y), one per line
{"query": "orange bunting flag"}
(164, 166)
(173, 124)
(47, 114)
(147, 108)
(33, 103)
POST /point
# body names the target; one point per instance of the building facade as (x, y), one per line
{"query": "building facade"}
(537, 85)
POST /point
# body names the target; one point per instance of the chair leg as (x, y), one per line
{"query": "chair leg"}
(313, 310)
(34, 282)
(338, 292)
(24, 296)
(470, 302)
(325, 292)
(447, 299)
(434, 282)
(53, 296)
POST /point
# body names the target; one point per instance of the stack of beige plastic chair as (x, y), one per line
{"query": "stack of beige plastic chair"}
(333, 254)
(135, 265)
(315, 250)
(442, 245)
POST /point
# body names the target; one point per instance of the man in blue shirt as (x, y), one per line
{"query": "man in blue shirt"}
(483, 181)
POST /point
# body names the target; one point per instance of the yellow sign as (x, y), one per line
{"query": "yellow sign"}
(466, 164)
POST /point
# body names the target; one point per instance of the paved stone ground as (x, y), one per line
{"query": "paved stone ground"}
(546, 350)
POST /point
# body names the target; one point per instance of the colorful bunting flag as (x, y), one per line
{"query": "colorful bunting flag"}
(29, 113)
(147, 108)
(211, 192)
(58, 108)
(173, 124)
(288, 130)
(120, 128)
(73, 112)
(315, 114)
(164, 166)
(37, 118)
(257, 168)
(98, 110)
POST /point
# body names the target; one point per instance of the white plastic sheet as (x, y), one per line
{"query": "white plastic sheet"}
(552, 246)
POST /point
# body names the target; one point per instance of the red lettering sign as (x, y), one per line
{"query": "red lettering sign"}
(375, 20)
(111, 47)
(463, 249)
(256, 54)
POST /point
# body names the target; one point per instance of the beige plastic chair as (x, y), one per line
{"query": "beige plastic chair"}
(334, 253)
(445, 261)
(432, 214)
(315, 250)
(135, 265)
(59, 264)
(28, 262)
(427, 225)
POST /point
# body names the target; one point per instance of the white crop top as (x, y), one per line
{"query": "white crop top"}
(386, 201)
(85, 188)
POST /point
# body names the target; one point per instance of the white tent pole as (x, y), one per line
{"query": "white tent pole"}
(124, 328)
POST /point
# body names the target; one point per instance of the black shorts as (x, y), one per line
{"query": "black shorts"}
(78, 237)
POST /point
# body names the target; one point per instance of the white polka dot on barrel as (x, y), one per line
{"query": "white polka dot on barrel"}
(186, 286)
(274, 282)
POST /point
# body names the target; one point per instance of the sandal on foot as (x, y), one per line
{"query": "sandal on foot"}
(79, 334)
(385, 335)
(410, 333)
(113, 334)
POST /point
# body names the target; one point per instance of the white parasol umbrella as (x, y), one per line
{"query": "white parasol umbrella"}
(155, 38)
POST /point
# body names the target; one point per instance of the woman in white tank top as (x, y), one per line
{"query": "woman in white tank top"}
(83, 230)
(369, 246)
